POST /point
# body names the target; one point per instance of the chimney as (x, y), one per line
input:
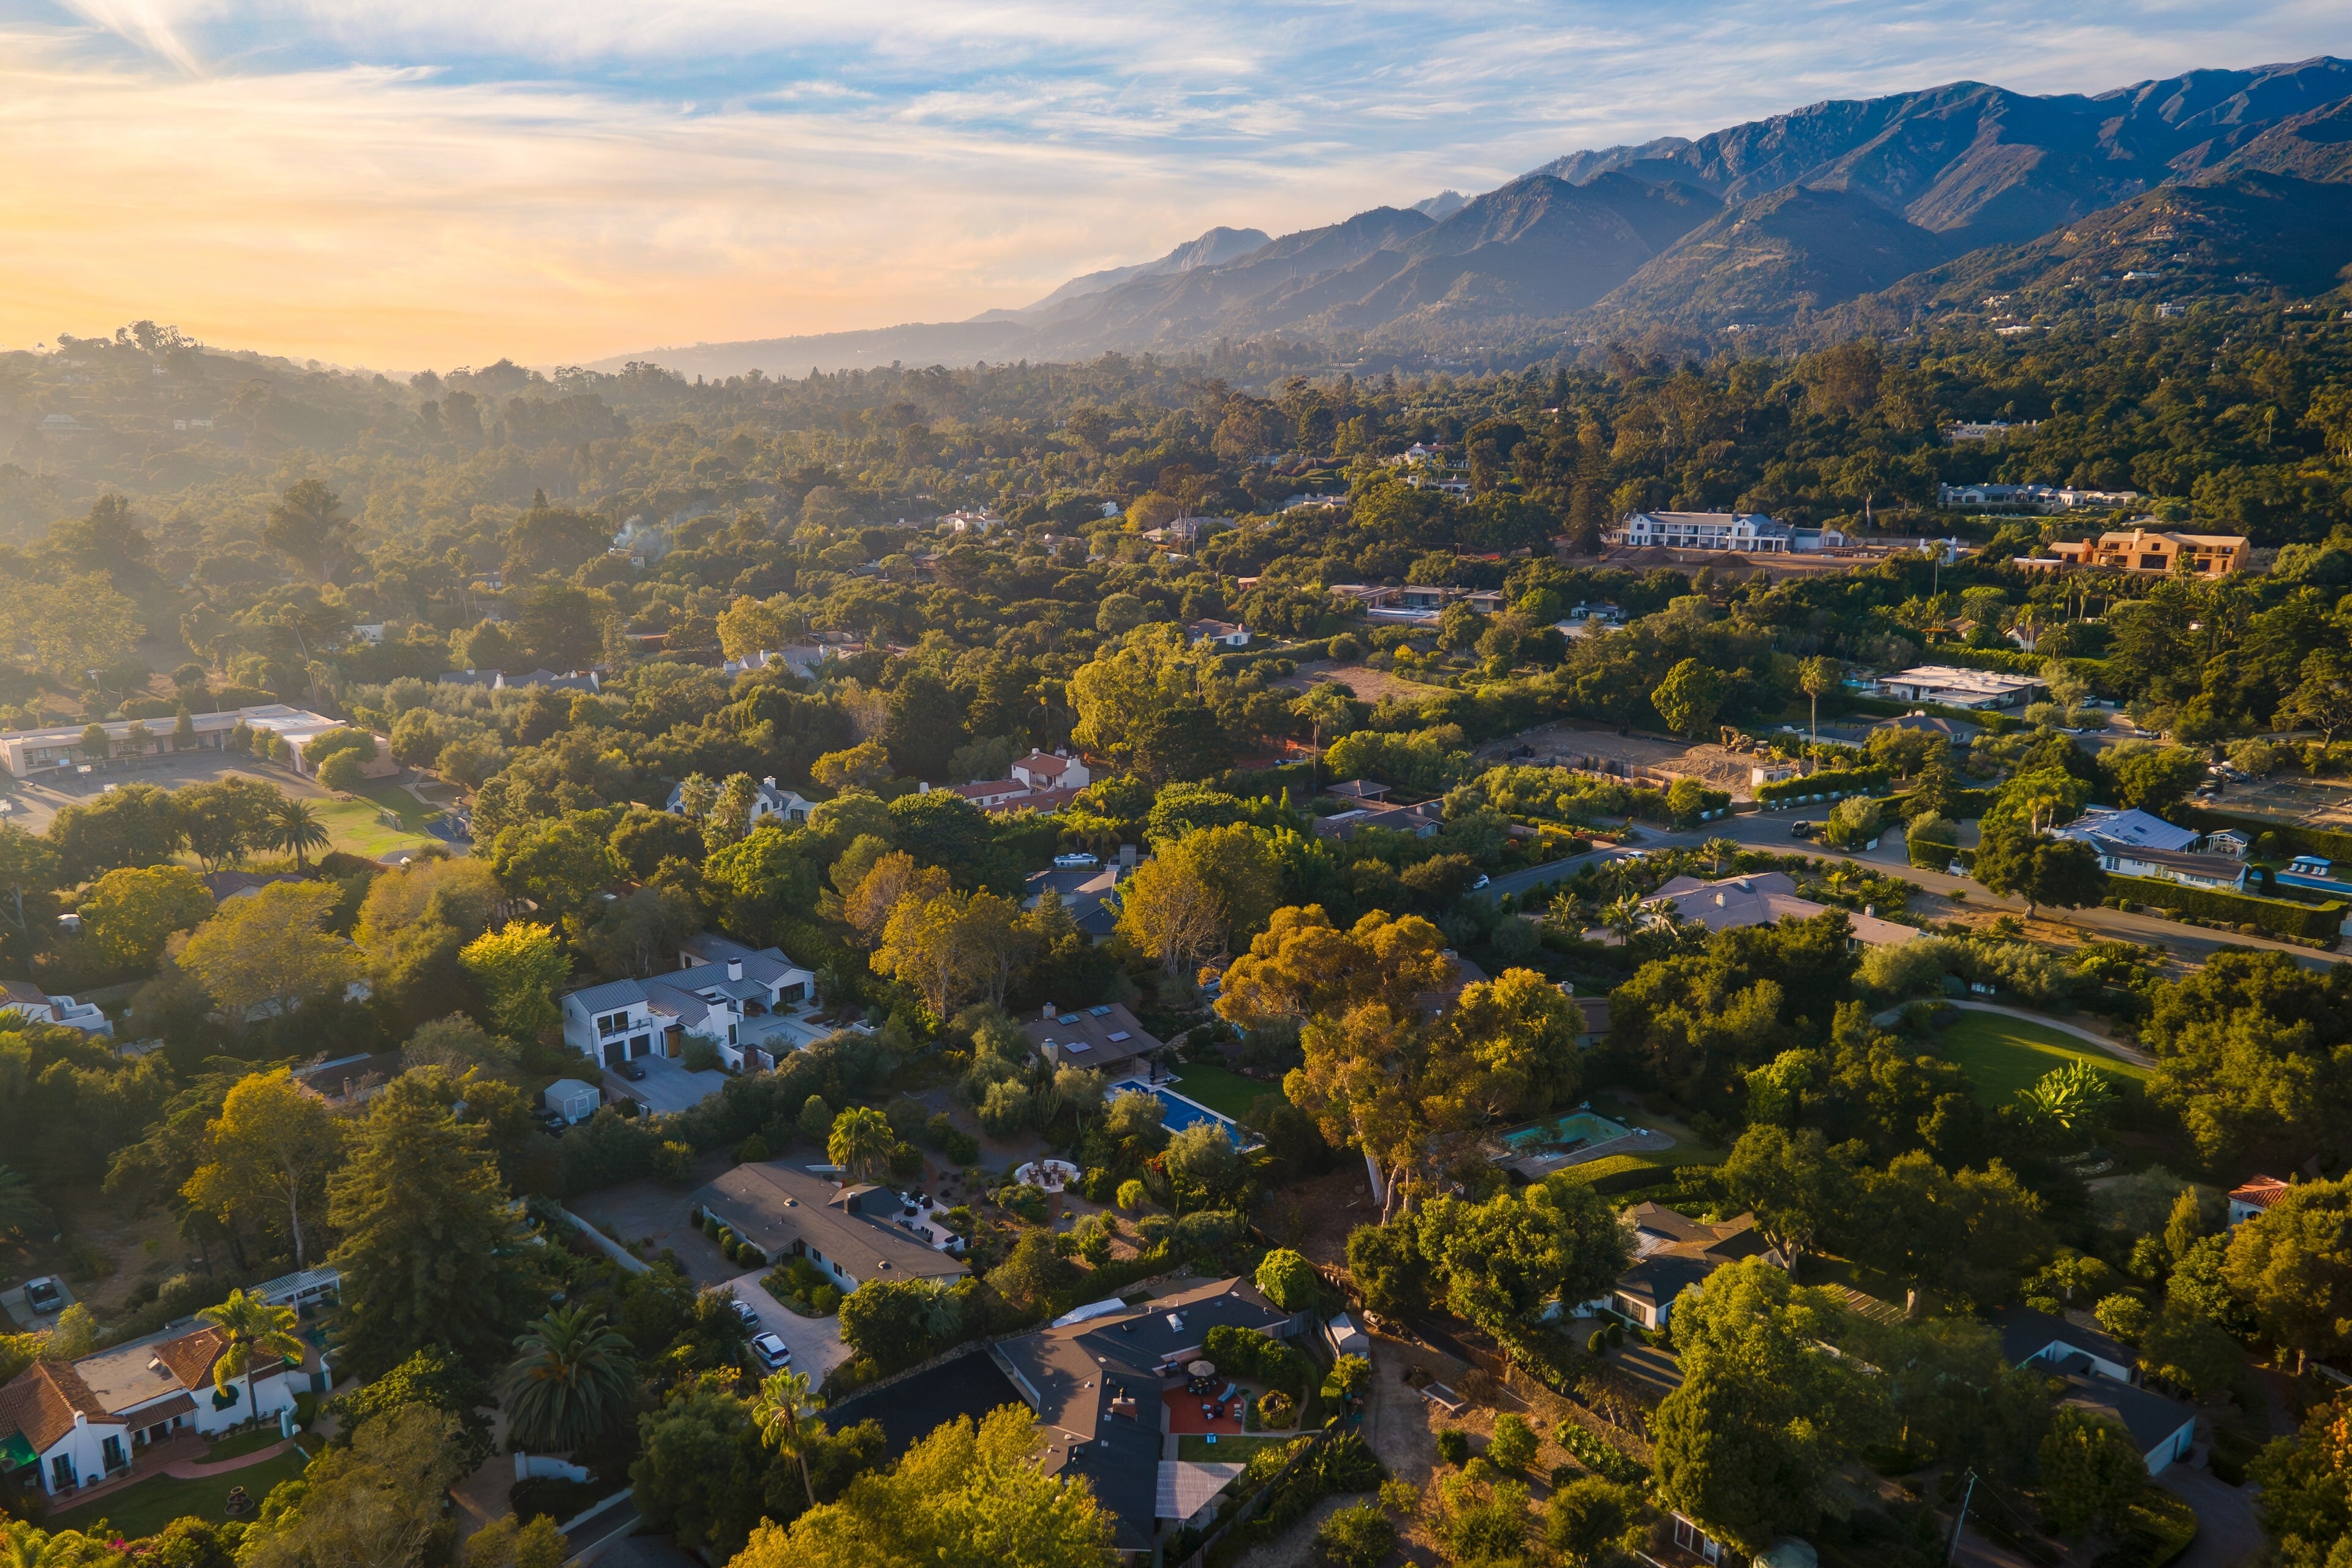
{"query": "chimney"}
(770, 781)
(1047, 1015)
(923, 789)
(734, 969)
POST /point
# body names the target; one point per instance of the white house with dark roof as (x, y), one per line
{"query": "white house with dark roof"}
(856, 1233)
(2136, 844)
(750, 1003)
(29, 1001)
(769, 802)
(2102, 1377)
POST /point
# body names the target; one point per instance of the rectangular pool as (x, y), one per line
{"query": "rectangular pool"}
(1178, 1112)
(1573, 1131)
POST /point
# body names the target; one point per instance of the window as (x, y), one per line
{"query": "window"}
(612, 1022)
(61, 1471)
(111, 1453)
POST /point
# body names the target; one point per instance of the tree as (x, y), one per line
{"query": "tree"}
(307, 523)
(508, 1543)
(273, 1141)
(374, 1503)
(341, 772)
(1591, 1521)
(2148, 776)
(2040, 870)
(964, 1495)
(21, 1214)
(1358, 1537)
(1687, 699)
(257, 1333)
(130, 825)
(259, 956)
(782, 1413)
(2292, 1263)
(223, 818)
(895, 1323)
(29, 874)
(2091, 1469)
(2305, 1489)
(1817, 678)
(1502, 1262)
(296, 830)
(1170, 914)
(2323, 697)
(1797, 1189)
(129, 915)
(572, 1383)
(860, 1142)
(1289, 1281)
(431, 1251)
(865, 766)
(518, 967)
(2073, 1102)
(1973, 1232)
(557, 863)
(1181, 741)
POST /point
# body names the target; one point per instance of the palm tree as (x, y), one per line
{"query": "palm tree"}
(21, 1214)
(1818, 676)
(782, 1413)
(1719, 850)
(259, 1331)
(295, 828)
(1624, 916)
(861, 1142)
(573, 1382)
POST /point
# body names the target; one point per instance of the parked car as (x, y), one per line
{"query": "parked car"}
(43, 1295)
(1484, 880)
(630, 1070)
(774, 1353)
(1800, 829)
(1076, 860)
(743, 1313)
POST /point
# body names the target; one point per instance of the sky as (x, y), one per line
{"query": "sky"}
(413, 184)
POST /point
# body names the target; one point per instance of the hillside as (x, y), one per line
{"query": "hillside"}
(1902, 200)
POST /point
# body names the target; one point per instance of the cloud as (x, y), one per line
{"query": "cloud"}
(439, 183)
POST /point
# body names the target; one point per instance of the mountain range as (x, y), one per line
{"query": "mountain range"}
(2209, 182)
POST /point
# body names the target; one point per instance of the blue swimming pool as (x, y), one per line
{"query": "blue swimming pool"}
(1179, 1112)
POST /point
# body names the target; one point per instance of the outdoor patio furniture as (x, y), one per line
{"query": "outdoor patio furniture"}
(1228, 1393)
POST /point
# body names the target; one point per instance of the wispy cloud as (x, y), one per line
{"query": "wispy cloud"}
(441, 182)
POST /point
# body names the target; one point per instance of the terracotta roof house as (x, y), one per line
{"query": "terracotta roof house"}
(2258, 1193)
(78, 1423)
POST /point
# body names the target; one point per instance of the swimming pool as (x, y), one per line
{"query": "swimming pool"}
(1178, 1112)
(1571, 1131)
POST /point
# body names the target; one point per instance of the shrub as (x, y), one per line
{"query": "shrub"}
(1133, 1196)
(1289, 1281)
(827, 1299)
(1453, 1445)
(960, 1148)
(548, 1496)
(726, 1239)
(1513, 1446)
(1358, 1537)
(751, 1149)
(1596, 1453)
(700, 1055)
(906, 1162)
(1277, 1409)
(1828, 781)
(2312, 923)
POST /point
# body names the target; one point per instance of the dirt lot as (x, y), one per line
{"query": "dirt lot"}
(2311, 803)
(1709, 764)
(1315, 1216)
(104, 1233)
(1369, 684)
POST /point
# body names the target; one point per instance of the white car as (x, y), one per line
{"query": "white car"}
(743, 1313)
(1076, 861)
(774, 1353)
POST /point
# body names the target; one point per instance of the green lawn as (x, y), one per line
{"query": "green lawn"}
(146, 1507)
(2001, 1055)
(1220, 1088)
(244, 1443)
(351, 825)
(1197, 1448)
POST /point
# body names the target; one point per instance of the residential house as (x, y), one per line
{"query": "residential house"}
(1363, 792)
(2145, 553)
(1218, 634)
(1039, 783)
(350, 1080)
(1949, 687)
(743, 1000)
(989, 793)
(1673, 1252)
(1107, 1037)
(29, 753)
(30, 1002)
(856, 1233)
(1986, 430)
(1764, 899)
(981, 522)
(1056, 769)
(2136, 844)
(2102, 1377)
(81, 1423)
(768, 801)
(1747, 534)
(1108, 1390)
(1958, 732)
(2035, 497)
(2257, 1194)
(1422, 821)
(369, 632)
(1086, 892)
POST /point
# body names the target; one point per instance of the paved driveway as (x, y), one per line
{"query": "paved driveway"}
(2228, 1532)
(13, 1305)
(815, 1341)
(668, 1085)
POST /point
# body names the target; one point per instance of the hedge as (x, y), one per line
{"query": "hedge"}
(2314, 922)
(1931, 854)
(2001, 661)
(1830, 781)
(2300, 839)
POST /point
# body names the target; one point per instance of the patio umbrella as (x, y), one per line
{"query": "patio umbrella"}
(1202, 1368)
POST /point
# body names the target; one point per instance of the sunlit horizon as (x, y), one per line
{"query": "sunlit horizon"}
(432, 186)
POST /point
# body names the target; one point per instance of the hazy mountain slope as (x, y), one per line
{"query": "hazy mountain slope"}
(1219, 245)
(2313, 146)
(1763, 260)
(2232, 232)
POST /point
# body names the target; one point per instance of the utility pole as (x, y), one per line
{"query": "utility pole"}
(1962, 1522)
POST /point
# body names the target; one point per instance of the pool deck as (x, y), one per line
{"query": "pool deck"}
(1536, 1167)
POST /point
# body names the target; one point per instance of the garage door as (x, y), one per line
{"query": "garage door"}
(614, 1051)
(641, 1045)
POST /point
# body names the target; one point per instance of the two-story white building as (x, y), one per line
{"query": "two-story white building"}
(1745, 532)
(742, 1000)
(769, 802)
(27, 1001)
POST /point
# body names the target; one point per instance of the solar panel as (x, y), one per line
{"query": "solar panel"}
(1098, 1012)
(1119, 1035)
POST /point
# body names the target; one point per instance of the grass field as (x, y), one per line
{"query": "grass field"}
(142, 1509)
(1220, 1088)
(2002, 1055)
(1199, 1450)
(353, 827)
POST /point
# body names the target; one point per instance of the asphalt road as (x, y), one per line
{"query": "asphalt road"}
(1771, 830)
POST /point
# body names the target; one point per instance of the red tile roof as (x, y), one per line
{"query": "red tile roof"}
(41, 1400)
(2261, 1193)
(190, 1357)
